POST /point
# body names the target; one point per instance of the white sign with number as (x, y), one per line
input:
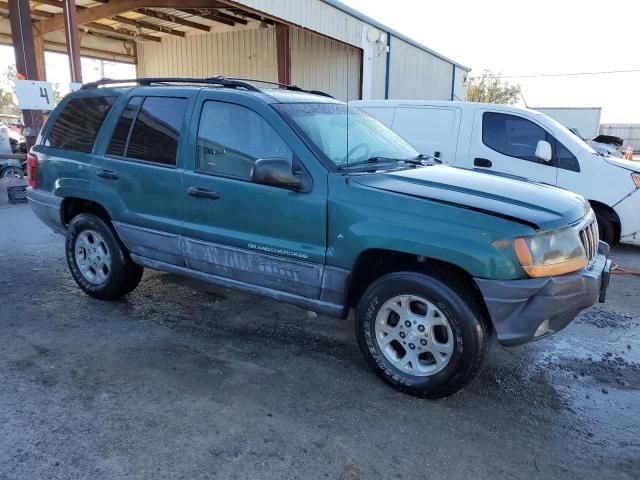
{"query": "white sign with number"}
(34, 95)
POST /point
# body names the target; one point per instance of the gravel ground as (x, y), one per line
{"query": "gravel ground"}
(186, 380)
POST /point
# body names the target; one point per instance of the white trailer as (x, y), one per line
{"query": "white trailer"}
(584, 119)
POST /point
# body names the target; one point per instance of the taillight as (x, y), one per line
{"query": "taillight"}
(32, 170)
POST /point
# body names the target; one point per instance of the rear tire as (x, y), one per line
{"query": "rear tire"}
(12, 172)
(98, 261)
(439, 341)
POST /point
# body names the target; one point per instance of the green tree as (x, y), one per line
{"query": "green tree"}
(7, 90)
(488, 88)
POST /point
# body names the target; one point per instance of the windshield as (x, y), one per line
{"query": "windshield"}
(359, 139)
(567, 137)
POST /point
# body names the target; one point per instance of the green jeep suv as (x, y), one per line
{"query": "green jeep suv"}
(296, 196)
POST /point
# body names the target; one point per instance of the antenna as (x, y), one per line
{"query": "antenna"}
(346, 28)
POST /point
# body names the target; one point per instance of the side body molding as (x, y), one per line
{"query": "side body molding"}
(316, 287)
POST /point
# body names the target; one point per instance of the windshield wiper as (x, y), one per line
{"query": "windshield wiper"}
(422, 160)
(430, 159)
(370, 161)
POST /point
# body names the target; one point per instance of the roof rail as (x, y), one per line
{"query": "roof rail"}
(221, 81)
(218, 80)
(285, 86)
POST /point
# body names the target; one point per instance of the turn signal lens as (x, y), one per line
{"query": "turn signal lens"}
(636, 179)
(551, 253)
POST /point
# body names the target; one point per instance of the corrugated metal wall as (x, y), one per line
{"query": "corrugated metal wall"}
(460, 85)
(378, 70)
(314, 15)
(241, 53)
(629, 132)
(323, 64)
(416, 74)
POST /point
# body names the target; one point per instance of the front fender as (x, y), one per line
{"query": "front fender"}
(365, 219)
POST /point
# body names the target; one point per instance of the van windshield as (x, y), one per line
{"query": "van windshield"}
(346, 139)
(566, 137)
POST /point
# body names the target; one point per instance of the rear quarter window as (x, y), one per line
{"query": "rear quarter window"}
(77, 126)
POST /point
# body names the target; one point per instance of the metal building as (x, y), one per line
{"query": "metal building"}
(629, 132)
(319, 44)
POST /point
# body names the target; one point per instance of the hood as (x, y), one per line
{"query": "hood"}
(538, 205)
(621, 162)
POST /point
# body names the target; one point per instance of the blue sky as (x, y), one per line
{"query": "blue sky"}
(516, 38)
(534, 37)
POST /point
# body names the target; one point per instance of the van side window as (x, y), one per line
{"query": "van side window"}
(231, 138)
(156, 131)
(512, 135)
(118, 143)
(77, 126)
(565, 159)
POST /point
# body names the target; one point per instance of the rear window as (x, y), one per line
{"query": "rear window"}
(77, 126)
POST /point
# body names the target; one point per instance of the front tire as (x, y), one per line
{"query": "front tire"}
(422, 334)
(98, 261)
(606, 228)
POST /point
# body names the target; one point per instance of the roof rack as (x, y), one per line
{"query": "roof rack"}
(221, 81)
(218, 80)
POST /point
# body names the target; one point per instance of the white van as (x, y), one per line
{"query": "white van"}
(523, 143)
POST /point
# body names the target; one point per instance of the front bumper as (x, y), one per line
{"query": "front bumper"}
(47, 208)
(525, 310)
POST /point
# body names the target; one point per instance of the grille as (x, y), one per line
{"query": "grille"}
(590, 237)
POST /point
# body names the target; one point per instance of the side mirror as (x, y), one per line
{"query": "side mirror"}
(543, 151)
(276, 172)
(29, 132)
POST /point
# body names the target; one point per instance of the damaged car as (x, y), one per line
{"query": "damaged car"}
(293, 195)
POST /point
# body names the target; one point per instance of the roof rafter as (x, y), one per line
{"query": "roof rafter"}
(34, 12)
(116, 7)
(215, 15)
(120, 31)
(149, 26)
(173, 19)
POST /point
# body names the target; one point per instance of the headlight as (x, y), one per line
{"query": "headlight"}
(551, 253)
(636, 179)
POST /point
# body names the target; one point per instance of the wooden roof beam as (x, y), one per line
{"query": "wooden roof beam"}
(120, 31)
(116, 7)
(149, 26)
(34, 12)
(215, 13)
(209, 16)
(173, 19)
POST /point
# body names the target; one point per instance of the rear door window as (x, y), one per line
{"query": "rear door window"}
(156, 132)
(512, 135)
(118, 143)
(77, 126)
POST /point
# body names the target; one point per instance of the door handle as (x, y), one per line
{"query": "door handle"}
(201, 192)
(482, 162)
(108, 174)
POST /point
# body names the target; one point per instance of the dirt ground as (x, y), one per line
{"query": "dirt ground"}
(186, 380)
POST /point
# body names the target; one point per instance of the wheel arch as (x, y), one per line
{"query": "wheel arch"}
(373, 263)
(611, 215)
(73, 206)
